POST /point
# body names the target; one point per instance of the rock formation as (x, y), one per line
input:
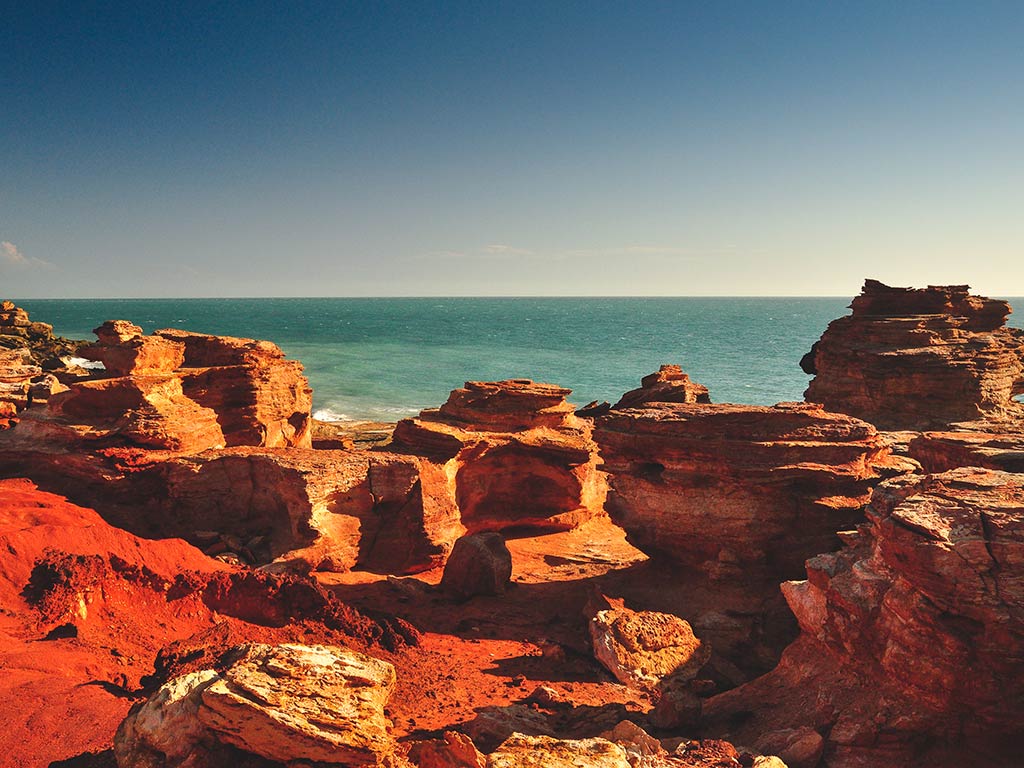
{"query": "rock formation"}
(516, 454)
(911, 636)
(919, 359)
(86, 607)
(288, 703)
(668, 385)
(28, 352)
(645, 648)
(942, 451)
(177, 391)
(737, 491)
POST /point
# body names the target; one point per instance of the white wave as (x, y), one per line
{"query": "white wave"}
(328, 414)
(81, 362)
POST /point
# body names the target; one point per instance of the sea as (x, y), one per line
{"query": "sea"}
(382, 359)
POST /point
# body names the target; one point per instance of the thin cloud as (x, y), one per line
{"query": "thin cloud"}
(501, 251)
(11, 256)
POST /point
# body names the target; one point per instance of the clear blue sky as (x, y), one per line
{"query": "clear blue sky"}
(332, 148)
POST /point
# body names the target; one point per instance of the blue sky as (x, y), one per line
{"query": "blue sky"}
(247, 149)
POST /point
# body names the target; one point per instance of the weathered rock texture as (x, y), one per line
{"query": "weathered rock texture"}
(177, 391)
(919, 358)
(291, 704)
(515, 453)
(736, 491)
(480, 564)
(28, 352)
(912, 636)
(303, 508)
(942, 451)
(668, 385)
(644, 648)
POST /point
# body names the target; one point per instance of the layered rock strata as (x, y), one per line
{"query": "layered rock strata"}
(737, 491)
(515, 453)
(668, 385)
(177, 391)
(919, 359)
(911, 640)
(28, 353)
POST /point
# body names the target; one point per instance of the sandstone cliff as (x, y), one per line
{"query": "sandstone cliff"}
(911, 636)
(919, 359)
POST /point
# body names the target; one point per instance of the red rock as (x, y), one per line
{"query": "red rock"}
(736, 491)
(914, 629)
(85, 608)
(260, 397)
(668, 385)
(919, 359)
(124, 351)
(479, 564)
(942, 451)
(516, 453)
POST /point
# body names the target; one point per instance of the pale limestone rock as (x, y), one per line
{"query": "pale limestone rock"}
(295, 702)
(642, 648)
(519, 751)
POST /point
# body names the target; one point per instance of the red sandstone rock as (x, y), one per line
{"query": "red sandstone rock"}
(919, 359)
(942, 451)
(480, 564)
(516, 454)
(260, 397)
(85, 608)
(914, 629)
(668, 385)
(745, 492)
(124, 351)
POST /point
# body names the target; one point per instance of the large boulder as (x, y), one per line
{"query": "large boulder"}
(290, 704)
(480, 564)
(668, 385)
(516, 454)
(919, 358)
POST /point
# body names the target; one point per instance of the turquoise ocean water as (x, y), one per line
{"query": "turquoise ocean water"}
(387, 358)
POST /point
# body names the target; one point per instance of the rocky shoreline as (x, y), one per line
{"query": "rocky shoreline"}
(193, 572)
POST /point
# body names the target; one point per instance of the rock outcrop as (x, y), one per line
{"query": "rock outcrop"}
(516, 454)
(28, 353)
(911, 636)
(737, 491)
(943, 451)
(288, 703)
(919, 359)
(668, 385)
(176, 391)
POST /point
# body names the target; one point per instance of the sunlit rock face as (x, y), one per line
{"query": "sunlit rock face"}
(919, 359)
(515, 453)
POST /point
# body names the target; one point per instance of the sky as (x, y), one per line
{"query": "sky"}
(516, 148)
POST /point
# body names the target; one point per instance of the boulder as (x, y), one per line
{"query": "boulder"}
(919, 359)
(516, 454)
(520, 751)
(479, 564)
(452, 750)
(285, 703)
(644, 648)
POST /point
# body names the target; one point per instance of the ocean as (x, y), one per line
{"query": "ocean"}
(386, 358)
